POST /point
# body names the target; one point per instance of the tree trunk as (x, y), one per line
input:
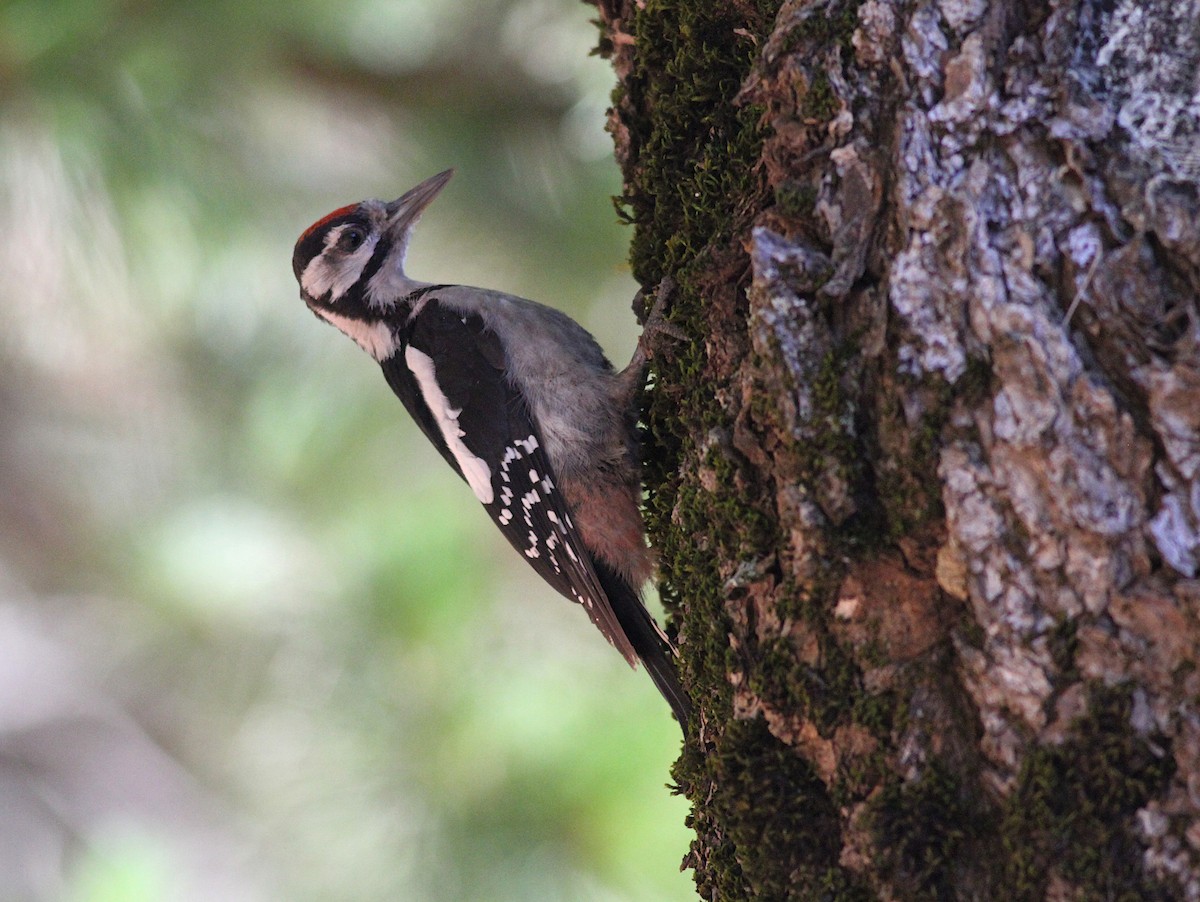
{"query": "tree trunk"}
(925, 481)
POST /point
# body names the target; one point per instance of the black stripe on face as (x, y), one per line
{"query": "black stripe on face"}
(354, 301)
(312, 243)
(382, 248)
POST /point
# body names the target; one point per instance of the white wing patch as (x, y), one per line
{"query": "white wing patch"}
(374, 338)
(476, 471)
(338, 274)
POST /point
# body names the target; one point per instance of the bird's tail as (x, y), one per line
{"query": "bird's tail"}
(648, 640)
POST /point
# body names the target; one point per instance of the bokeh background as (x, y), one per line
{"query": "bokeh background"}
(256, 641)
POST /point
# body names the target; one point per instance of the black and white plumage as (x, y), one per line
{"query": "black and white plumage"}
(520, 401)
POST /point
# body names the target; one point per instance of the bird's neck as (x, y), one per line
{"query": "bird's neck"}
(390, 286)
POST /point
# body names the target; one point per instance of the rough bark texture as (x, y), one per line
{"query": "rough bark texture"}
(926, 480)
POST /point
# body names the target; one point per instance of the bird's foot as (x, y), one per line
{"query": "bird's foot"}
(656, 326)
(654, 329)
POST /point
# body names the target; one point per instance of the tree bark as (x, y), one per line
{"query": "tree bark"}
(925, 480)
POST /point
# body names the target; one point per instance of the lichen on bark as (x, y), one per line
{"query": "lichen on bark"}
(925, 481)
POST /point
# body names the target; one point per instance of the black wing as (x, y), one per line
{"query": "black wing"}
(467, 363)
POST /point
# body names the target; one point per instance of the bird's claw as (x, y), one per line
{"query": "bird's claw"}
(656, 325)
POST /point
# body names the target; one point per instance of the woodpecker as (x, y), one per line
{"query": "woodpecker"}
(519, 399)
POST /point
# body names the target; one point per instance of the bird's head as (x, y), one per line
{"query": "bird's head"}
(350, 263)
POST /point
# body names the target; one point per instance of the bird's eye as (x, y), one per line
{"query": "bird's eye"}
(352, 238)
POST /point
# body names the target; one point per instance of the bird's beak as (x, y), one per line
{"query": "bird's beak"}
(405, 210)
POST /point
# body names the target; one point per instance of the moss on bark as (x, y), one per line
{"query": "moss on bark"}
(901, 511)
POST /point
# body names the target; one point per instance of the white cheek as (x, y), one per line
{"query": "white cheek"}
(374, 338)
(336, 275)
(474, 469)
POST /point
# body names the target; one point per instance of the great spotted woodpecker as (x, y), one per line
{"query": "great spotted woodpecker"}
(520, 401)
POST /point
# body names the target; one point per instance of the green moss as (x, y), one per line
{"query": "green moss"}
(832, 450)
(923, 829)
(1072, 806)
(1069, 814)
(1063, 643)
(691, 179)
(696, 152)
(795, 200)
(689, 562)
(823, 449)
(907, 482)
(769, 831)
(833, 417)
(909, 488)
(829, 694)
(826, 25)
(767, 827)
(753, 528)
(820, 102)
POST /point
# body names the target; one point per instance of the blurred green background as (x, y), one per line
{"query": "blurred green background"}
(257, 642)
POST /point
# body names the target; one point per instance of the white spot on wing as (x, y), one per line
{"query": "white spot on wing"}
(541, 489)
(374, 338)
(476, 471)
(532, 550)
